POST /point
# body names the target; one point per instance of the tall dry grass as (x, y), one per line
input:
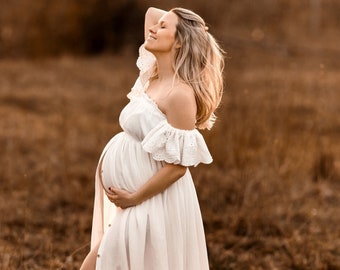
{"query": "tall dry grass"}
(271, 198)
(277, 161)
(269, 201)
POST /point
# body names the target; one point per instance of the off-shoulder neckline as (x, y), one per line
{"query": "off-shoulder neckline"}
(154, 103)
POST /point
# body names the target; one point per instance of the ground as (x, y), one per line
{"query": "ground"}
(270, 200)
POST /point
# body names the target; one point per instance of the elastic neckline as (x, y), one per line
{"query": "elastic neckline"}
(154, 103)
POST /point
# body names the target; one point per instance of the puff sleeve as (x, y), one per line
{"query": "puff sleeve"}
(177, 146)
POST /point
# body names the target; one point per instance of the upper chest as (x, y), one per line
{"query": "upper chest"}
(159, 93)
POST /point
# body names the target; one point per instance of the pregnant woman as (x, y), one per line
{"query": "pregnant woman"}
(146, 212)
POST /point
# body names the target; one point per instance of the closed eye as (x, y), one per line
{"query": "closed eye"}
(162, 25)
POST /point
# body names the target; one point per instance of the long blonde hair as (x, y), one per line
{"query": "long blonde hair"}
(199, 62)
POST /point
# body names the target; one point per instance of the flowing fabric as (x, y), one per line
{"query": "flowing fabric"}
(166, 231)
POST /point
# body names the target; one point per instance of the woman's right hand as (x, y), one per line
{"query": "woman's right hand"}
(120, 197)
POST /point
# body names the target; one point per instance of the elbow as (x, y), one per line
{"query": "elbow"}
(150, 9)
(147, 13)
(150, 13)
(175, 171)
(153, 14)
(180, 171)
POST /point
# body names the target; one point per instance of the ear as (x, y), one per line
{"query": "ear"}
(178, 45)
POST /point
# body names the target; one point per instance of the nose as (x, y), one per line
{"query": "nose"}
(152, 29)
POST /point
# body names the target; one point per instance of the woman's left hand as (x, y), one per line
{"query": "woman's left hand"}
(120, 197)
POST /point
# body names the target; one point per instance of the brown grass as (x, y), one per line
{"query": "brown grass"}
(271, 198)
(269, 201)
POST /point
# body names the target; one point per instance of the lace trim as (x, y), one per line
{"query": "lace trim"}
(177, 146)
(154, 103)
(146, 64)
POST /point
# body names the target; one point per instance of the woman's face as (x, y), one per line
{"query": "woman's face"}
(161, 37)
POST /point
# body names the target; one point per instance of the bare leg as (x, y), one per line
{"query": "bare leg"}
(90, 261)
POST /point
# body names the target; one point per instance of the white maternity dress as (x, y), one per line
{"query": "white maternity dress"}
(166, 231)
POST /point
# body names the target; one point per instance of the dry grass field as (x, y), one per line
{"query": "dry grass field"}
(270, 200)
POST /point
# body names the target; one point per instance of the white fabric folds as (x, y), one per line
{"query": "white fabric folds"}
(164, 232)
(146, 64)
(177, 146)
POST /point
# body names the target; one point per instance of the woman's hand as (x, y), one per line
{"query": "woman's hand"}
(159, 182)
(120, 197)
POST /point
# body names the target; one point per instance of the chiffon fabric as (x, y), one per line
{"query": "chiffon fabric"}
(166, 231)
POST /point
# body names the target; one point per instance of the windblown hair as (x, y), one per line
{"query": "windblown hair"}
(199, 62)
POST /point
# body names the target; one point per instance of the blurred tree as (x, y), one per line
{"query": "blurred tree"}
(54, 27)
(112, 26)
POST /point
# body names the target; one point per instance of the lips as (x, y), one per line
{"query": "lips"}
(152, 37)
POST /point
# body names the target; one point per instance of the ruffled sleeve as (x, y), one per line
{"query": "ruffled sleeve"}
(146, 64)
(177, 146)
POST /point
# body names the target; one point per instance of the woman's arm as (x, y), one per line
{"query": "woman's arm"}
(152, 17)
(159, 182)
(181, 113)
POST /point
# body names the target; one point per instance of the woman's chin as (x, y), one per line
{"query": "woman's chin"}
(147, 46)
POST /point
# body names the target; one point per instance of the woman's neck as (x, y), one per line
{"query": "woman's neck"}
(165, 70)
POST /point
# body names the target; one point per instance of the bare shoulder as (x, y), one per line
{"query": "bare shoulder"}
(181, 107)
(182, 94)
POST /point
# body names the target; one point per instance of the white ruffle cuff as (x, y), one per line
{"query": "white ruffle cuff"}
(177, 146)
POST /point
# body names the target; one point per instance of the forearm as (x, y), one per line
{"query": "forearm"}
(165, 177)
(152, 16)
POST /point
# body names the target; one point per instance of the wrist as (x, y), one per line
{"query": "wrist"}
(135, 198)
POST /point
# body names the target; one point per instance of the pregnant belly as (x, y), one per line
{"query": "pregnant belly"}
(125, 164)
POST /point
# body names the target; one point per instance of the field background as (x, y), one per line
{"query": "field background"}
(271, 198)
